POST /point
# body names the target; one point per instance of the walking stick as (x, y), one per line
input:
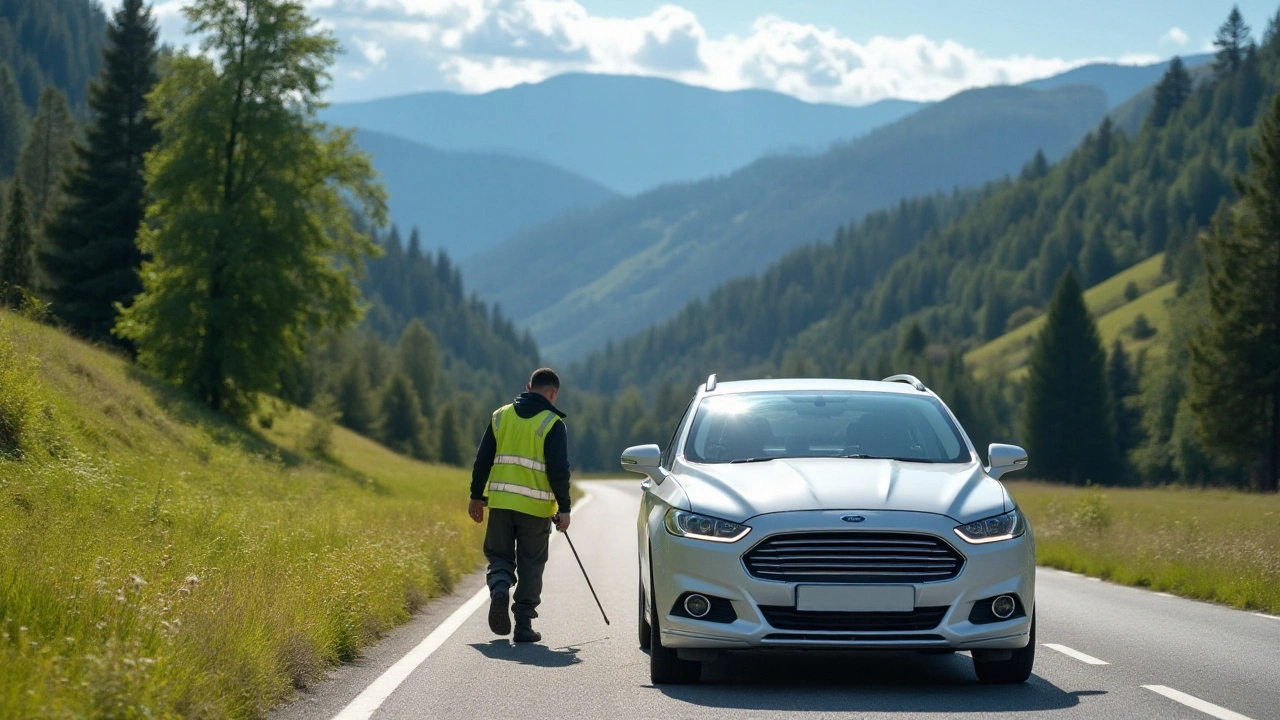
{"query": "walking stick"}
(584, 575)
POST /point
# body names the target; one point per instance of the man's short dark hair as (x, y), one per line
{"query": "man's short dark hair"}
(544, 378)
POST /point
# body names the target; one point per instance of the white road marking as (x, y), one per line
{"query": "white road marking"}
(1163, 594)
(1076, 654)
(1273, 617)
(371, 698)
(1192, 701)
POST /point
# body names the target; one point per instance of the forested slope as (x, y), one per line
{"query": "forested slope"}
(51, 42)
(589, 277)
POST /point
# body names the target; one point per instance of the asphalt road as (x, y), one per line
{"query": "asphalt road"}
(1219, 662)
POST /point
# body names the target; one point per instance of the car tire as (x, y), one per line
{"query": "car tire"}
(1017, 669)
(665, 665)
(645, 630)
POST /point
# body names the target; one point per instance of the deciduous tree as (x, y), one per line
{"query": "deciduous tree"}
(249, 226)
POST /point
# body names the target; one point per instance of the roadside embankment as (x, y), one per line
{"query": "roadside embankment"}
(156, 561)
(1217, 545)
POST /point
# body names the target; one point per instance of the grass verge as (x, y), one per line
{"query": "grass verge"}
(1213, 545)
(156, 561)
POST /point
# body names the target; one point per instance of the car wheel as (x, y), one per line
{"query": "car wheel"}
(665, 665)
(1014, 670)
(645, 630)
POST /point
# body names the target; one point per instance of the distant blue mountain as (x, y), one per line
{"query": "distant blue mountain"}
(628, 133)
(468, 202)
(1117, 82)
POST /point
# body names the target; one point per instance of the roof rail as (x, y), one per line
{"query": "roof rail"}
(911, 380)
(711, 382)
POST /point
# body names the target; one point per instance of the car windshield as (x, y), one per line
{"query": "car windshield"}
(762, 426)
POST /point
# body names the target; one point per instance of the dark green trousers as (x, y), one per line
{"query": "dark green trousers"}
(515, 544)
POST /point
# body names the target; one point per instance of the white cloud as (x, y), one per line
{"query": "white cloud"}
(1177, 36)
(396, 46)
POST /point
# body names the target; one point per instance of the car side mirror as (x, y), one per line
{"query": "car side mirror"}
(1003, 459)
(643, 459)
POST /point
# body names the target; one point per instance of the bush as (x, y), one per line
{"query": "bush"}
(1141, 328)
(1021, 316)
(1131, 291)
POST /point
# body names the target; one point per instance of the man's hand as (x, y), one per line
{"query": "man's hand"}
(561, 520)
(476, 510)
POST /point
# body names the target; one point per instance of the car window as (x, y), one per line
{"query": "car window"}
(669, 455)
(762, 425)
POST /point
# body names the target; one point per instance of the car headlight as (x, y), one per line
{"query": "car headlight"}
(683, 523)
(994, 529)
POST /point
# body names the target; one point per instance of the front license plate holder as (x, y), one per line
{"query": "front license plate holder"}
(855, 598)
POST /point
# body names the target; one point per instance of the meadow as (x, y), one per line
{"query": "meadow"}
(157, 561)
(1216, 545)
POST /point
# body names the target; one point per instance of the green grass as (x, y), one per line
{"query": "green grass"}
(1216, 545)
(1008, 353)
(156, 561)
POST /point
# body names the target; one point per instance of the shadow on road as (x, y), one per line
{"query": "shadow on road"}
(528, 654)
(868, 682)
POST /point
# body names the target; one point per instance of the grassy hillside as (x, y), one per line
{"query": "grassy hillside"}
(1207, 544)
(156, 561)
(1114, 313)
(583, 279)
(467, 202)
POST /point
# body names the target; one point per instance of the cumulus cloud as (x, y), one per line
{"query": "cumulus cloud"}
(396, 46)
(1177, 36)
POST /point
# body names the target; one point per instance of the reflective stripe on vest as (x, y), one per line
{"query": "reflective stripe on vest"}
(518, 479)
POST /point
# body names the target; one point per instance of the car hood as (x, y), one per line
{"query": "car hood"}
(961, 491)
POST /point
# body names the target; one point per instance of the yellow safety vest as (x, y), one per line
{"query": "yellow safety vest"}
(518, 480)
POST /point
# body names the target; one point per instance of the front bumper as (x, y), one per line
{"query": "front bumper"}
(682, 565)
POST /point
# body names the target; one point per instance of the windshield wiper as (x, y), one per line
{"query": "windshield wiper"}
(751, 460)
(857, 456)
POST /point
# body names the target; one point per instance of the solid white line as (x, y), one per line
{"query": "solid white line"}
(1076, 654)
(371, 698)
(1273, 617)
(1163, 594)
(1192, 701)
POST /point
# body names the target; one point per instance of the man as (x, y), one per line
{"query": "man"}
(524, 460)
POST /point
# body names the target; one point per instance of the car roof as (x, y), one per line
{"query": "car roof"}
(812, 385)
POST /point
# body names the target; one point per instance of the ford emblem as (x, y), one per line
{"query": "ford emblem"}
(853, 518)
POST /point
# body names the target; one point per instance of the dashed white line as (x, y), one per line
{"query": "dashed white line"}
(1164, 594)
(1076, 654)
(371, 698)
(1273, 617)
(1192, 701)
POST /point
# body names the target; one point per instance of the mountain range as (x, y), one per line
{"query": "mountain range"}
(588, 277)
(627, 133)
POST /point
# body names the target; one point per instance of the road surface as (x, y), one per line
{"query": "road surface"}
(1106, 651)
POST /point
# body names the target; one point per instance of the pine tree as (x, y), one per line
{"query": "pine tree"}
(1231, 41)
(1068, 421)
(420, 362)
(1235, 357)
(354, 398)
(1124, 388)
(1037, 168)
(17, 266)
(89, 256)
(254, 252)
(452, 449)
(13, 123)
(1171, 92)
(402, 427)
(47, 153)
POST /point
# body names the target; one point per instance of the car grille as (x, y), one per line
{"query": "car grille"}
(788, 618)
(853, 557)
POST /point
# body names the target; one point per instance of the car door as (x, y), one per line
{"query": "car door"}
(648, 491)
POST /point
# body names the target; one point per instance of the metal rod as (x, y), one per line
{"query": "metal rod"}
(584, 575)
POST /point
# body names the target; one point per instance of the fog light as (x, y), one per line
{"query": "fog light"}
(1003, 607)
(698, 606)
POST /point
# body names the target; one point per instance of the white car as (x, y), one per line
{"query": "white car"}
(830, 514)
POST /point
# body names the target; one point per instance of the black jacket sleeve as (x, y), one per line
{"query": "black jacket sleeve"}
(556, 449)
(484, 462)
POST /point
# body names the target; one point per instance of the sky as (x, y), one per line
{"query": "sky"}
(850, 52)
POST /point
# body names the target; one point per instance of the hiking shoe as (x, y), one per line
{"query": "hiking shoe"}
(526, 634)
(499, 616)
